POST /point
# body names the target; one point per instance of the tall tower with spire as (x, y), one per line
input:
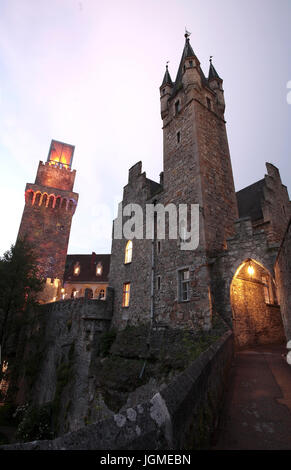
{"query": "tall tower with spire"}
(197, 165)
(46, 221)
(162, 283)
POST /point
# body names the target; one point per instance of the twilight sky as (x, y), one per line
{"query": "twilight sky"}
(88, 73)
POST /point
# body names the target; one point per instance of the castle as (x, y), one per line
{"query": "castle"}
(240, 268)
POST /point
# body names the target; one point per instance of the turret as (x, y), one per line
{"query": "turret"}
(165, 92)
(215, 83)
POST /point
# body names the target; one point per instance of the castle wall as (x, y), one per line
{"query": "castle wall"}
(245, 244)
(276, 205)
(283, 280)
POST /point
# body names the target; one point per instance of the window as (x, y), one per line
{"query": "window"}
(73, 293)
(191, 63)
(266, 289)
(128, 252)
(159, 247)
(126, 294)
(178, 137)
(184, 284)
(77, 269)
(99, 269)
(101, 294)
(208, 103)
(158, 282)
(177, 107)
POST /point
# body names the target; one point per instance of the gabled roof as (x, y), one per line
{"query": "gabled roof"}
(250, 199)
(88, 265)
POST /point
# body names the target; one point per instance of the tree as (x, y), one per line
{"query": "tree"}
(20, 281)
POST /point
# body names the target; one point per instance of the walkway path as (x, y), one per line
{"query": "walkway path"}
(257, 410)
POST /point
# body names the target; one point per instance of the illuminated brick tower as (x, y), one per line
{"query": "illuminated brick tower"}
(46, 221)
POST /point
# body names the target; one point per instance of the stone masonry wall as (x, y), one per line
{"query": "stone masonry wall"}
(245, 244)
(283, 280)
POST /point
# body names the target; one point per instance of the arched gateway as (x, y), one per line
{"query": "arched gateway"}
(256, 314)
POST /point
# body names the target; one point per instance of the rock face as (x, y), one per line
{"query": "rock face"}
(181, 416)
(73, 370)
(52, 359)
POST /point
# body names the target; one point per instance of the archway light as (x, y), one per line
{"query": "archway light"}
(251, 270)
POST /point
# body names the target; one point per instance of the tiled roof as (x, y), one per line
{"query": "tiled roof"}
(88, 265)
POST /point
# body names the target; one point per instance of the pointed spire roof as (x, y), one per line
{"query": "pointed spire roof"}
(187, 53)
(212, 72)
(167, 78)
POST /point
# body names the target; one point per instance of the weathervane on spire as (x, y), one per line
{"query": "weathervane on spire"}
(167, 64)
(210, 59)
(187, 33)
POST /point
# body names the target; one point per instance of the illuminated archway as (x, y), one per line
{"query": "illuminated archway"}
(256, 315)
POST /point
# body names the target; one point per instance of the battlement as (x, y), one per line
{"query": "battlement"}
(55, 176)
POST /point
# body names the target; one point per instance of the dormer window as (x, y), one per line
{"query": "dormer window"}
(99, 269)
(77, 269)
(177, 107)
(191, 63)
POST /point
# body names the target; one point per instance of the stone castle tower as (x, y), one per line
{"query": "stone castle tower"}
(164, 283)
(46, 221)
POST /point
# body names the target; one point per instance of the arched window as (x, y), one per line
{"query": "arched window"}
(73, 293)
(37, 199)
(44, 199)
(99, 269)
(77, 269)
(101, 294)
(128, 252)
(58, 202)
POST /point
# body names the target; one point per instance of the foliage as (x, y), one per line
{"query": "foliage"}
(7, 417)
(35, 422)
(20, 280)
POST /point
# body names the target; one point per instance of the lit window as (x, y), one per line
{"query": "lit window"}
(126, 294)
(128, 252)
(101, 294)
(99, 269)
(184, 285)
(77, 269)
